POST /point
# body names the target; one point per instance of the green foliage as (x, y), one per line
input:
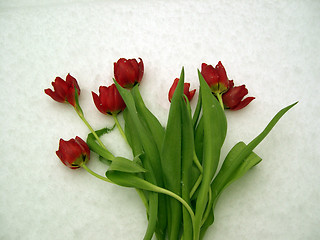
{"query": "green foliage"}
(174, 169)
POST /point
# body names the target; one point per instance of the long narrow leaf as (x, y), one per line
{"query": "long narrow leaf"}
(171, 159)
(239, 160)
(151, 121)
(221, 179)
(187, 150)
(215, 125)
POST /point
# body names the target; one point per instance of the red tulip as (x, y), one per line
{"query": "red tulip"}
(64, 91)
(109, 101)
(128, 72)
(215, 77)
(73, 153)
(232, 99)
(186, 91)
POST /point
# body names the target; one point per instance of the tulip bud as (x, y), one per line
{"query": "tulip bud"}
(73, 153)
(128, 72)
(186, 91)
(215, 77)
(109, 100)
(64, 91)
(232, 99)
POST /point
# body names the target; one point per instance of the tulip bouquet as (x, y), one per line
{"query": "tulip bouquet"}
(174, 169)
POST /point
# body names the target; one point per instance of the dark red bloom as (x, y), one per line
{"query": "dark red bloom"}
(233, 98)
(64, 91)
(109, 100)
(215, 77)
(128, 72)
(73, 153)
(186, 91)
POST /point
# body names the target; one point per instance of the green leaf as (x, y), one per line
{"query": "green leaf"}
(171, 159)
(132, 134)
(215, 128)
(95, 147)
(252, 160)
(245, 165)
(187, 151)
(222, 178)
(148, 118)
(240, 159)
(206, 224)
(198, 139)
(125, 165)
(197, 111)
(132, 180)
(150, 158)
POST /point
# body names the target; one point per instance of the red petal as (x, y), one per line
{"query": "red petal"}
(111, 100)
(223, 79)
(84, 146)
(71, 96)
(69, 152)
(243, 103)
(172, 89)
(97, 102)
(210, 74)
(191, 94)
(72, 83)
(203, 65)
(126, 73)
(54, 96)
(231, 84)
(60, 87)
(141, 70)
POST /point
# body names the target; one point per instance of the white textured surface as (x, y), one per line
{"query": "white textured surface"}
(271, 46)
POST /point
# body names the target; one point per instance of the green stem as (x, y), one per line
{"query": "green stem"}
(197, 183)
(219, 96)
(209, 207)
(139, 191)
(80, 114)
(115, 117)
(196, 161)
(143, 198)
(195, 186)
(95, 174)
(177, 197)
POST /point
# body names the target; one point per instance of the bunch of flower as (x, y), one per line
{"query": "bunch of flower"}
(174, 168)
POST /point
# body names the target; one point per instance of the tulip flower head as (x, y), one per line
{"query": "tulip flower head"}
(109, 100)
(233, 98)
(128, 72)
(216, 77)
(73, 153)
(64, 91)
(186, 90)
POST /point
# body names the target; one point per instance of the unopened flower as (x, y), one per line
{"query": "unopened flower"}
(64, 91)
(73, 153)
(186, 90)
(233, 98)
(216, 77)
(109, 100)
(128, 72)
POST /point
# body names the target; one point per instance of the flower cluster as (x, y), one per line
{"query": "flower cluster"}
(174, 168)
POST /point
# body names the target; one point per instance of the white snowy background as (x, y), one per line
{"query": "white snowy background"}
(271, 46)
